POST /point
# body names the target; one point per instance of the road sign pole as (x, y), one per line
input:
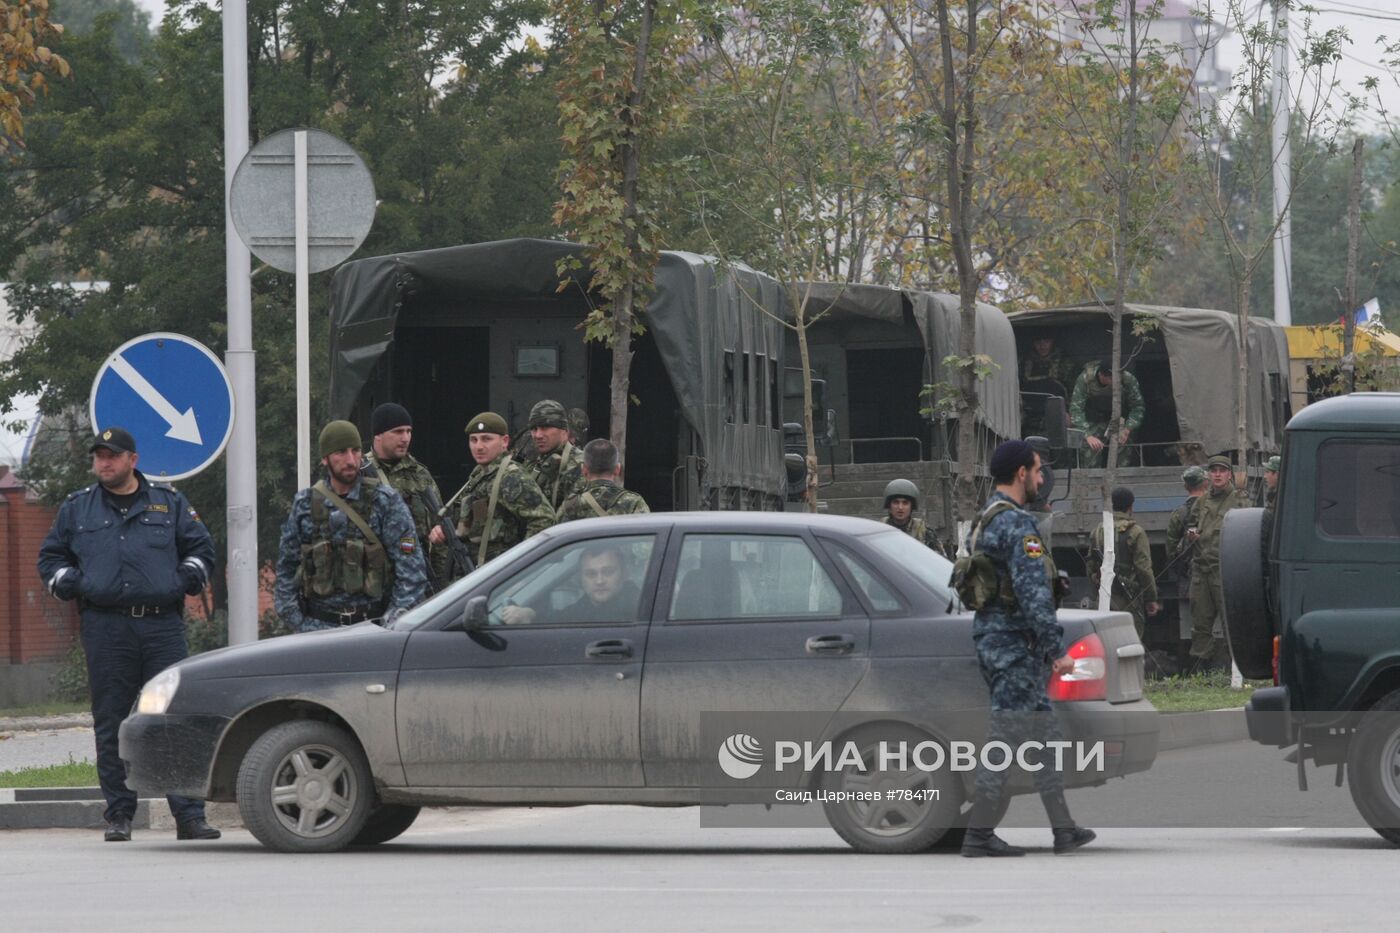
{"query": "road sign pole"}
(303, 273)
(241, 463)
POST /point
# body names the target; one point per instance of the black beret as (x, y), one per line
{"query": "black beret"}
(1009, 457)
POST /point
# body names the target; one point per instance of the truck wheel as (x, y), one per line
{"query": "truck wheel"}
(305, 786)
(914, 809)
(1373, 767)
(386, 821)
(1248, 625)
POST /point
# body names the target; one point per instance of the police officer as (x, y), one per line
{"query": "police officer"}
(601, 494)
(501, 503)
(130, 551)
(558, 466)
(1207, 594)
(1134, 585)
(349, 551)
(1091, 404)
(390, 462)
(901, 499)
(1020, 645)
(1180, 549)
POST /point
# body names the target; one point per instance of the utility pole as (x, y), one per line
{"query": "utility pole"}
(1283, 171)
(240, 458)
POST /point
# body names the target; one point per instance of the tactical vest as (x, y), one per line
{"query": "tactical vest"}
(1098, 404)
(411, 485)
(354, 566)
(1121, 527)
(980, 581)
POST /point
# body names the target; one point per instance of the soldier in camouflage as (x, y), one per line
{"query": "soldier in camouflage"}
(1209, 649)
(901, 500)
(390, 462)
(1091, 404)
(601, 494)
(1020, 645)
(338, 567)
(501, 504)
(1046, 362)
(558, 465)
(1180, 550)
(1134, 585)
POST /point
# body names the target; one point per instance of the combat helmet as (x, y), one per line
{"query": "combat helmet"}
(901, 489)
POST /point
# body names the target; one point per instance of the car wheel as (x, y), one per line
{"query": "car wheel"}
(1373, 767)
(891, 810)
(386, 821)
(1249, 628)
(305, 786)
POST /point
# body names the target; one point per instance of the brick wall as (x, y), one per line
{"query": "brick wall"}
(33, 625)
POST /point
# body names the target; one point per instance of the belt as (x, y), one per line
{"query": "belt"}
(136, 612)
(343, 616)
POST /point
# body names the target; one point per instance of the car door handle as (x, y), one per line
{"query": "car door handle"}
(609, 648)
(831, 644)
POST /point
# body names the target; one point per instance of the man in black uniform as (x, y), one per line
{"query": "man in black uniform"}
(129, 551)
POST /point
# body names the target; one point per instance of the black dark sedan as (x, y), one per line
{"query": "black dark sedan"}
(665, 659)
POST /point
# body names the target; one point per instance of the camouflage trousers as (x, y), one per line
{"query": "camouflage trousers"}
(1208, 616)
(1021, 711)
(1088, 458)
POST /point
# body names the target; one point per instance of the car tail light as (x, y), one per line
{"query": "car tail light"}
(1089, 678)
(1275, 661)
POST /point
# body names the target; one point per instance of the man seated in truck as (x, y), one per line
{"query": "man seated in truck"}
(1091, 406)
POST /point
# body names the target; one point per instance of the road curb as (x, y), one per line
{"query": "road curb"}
(1210, 727)
(83, 808)
(44, 723)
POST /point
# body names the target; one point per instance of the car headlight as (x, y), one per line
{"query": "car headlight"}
(159, 691)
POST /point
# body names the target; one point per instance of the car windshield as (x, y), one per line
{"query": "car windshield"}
(431, 607)
(925, 565)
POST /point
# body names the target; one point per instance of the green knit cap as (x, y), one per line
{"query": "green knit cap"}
(338, 435)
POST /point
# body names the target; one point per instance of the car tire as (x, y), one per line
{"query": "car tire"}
(305, 786)
(386, 821)
(914, 820)
(1249, 626)
(1373, 767)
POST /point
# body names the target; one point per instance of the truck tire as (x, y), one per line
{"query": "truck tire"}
(1373, 767)
(1248, 625)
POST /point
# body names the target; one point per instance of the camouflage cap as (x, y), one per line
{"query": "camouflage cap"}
(488, 422)
(338, 435)
(548, 413)
(1273, 463)
(1219, 460)
(1193, 476)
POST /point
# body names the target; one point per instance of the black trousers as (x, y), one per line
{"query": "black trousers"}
(122, 654)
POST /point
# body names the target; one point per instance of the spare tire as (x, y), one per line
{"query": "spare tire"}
(1248, 624)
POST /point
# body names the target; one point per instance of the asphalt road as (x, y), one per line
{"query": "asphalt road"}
(598, 868)
(48, 747)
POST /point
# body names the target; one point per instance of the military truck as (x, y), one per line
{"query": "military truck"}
(1317, 606)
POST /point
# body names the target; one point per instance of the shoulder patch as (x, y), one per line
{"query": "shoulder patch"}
(408, 544)
(1033, 547)
(193, 514)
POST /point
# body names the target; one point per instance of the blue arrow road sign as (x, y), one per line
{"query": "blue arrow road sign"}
(174, 397)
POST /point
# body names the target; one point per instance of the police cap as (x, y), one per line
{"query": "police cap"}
(338, 435)
(115, 439)
(548, 413)
(488, 422)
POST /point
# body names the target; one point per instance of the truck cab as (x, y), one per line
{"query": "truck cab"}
(1312, 598)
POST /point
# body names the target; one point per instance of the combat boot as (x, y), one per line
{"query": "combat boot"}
(981, 840)
(1068, 836)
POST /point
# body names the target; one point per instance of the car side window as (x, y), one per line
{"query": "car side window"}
(1358, 489)
(877, 592)
(597, 581)
(731, 576)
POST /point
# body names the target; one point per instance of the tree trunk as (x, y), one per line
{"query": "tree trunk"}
(1242, 377)
(1353, 250)
(621, 373)
(1124, 252)
(809, 495)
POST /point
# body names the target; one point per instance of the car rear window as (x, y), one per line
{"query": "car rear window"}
(732, 576)
(1358, 489)
(927, 566)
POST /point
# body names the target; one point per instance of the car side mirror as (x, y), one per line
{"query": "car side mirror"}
(474, 617)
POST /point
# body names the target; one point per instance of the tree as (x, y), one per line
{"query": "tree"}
(1124, 96)
(619, 88)
(24, 28)
(131, 28)
(782, 167)
(122, 183)
(1232, 164)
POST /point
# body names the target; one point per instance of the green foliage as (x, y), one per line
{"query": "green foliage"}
(70, 774)
(70, 682)
(1198, 692)
(123, 179)
(131, 25)
(25, 59)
